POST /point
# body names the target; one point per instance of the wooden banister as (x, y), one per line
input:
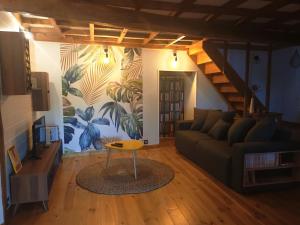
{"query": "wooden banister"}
(231, 74)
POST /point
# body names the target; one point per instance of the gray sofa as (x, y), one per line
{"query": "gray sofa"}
(221, 160)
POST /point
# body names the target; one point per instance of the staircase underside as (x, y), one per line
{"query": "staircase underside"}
(227, 86)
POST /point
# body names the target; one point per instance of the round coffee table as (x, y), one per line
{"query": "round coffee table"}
(128, 146)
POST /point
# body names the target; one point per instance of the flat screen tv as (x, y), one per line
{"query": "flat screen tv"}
(38, 136)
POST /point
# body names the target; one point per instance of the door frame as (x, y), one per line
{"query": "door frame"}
(3, 167)
(194, 72)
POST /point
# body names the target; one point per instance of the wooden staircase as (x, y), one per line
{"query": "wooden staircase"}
(223, 77)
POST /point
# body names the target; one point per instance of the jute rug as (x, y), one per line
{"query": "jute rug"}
(118, 178)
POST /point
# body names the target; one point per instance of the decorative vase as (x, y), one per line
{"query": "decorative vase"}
(251, 108)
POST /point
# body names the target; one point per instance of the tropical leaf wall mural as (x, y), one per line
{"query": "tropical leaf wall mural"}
(101, 101)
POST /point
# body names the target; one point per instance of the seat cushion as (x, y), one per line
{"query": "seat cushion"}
(215, 157)
(228, 116)
(211, 119)
(239, 130)
(262, 131)
(191, 136)
(186, 140)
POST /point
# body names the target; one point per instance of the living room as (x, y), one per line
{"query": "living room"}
(132, 113)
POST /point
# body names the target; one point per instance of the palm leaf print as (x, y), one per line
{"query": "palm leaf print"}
(92, 85)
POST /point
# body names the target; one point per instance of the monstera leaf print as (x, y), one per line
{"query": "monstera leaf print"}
(132, 123)
(129, 92)
(125, 92)
(72, 75)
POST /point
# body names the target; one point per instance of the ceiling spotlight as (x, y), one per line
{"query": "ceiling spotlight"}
(106, 58)
(174, 63)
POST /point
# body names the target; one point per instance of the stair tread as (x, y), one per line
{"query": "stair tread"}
(238, 107)
(228, 89)
(203, 58)
(235, 98)
(213, 74)
(220, 79)
(211, 67)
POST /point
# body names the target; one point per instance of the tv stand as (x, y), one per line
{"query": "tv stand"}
(35, 157)
(33, 183)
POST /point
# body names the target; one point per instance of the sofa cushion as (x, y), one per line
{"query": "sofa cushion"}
(239, 130)
(228, 116)
(211, 119)
(200, 112)
(282, 134)
(186, 140)
(219, 130)
(191, 136)
(262, 131)
(199, 118)
(215, 157)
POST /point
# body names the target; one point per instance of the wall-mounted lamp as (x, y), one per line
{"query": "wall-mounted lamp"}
(106, 58)
(174, 63)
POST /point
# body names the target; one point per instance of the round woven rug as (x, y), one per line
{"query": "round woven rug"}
(118, 178)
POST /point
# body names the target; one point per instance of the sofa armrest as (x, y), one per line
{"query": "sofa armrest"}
(240, 149)
(183, 124)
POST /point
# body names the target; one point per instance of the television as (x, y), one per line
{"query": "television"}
(38, 136)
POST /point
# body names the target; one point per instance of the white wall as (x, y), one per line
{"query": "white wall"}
(190, 94)
(155, 60)
(258, 70)
(285, 85)
(45, 57)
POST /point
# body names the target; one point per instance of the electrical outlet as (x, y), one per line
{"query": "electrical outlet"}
(146, 142)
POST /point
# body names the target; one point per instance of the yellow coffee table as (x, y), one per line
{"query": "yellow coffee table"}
(128, 146)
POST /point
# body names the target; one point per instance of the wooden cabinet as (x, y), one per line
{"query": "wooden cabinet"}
(40, 91)
(14, 63)
(33, 182)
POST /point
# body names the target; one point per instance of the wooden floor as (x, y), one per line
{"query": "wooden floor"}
(191, 198)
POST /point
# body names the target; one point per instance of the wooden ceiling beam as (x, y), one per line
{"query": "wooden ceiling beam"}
(56, 28)
(175, 41)
(196, 8)
(183, 5)
(152, 35)
(86, 40)
(227, 6)
(122, 35)
(28, 21)
(270, 8)
(92, 32)
(98, 14)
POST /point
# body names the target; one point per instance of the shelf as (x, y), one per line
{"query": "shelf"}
(284, 168)
(171, 103)
(290, 165)
(277, 180)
